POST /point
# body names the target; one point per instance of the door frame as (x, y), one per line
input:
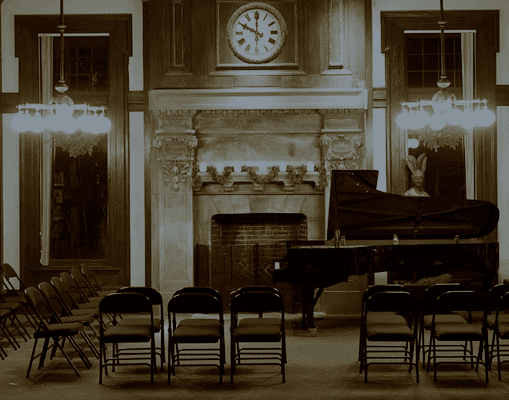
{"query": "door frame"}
(119, 28)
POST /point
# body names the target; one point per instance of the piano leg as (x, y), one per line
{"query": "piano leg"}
(308, 304)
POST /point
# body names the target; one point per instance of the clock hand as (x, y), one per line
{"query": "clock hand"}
(248, 28)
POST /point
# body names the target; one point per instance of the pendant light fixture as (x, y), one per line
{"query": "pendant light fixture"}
(64, 115)
(446, 108)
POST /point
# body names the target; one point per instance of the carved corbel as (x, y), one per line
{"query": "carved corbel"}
(340, 151)
(176, 157)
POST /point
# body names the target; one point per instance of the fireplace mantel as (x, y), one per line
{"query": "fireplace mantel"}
(258, 99)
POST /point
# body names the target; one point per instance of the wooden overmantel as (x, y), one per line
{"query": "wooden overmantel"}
(258, 99)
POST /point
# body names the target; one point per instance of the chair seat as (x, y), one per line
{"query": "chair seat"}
(140, 322)
(388, 332)
(199, 322)
(458, 331)
(502, 318)
(257, 333)
(259, 321)
(196, 334)
(127, 334)
(86, 311)
(11, 306)
(385, 318)
(71, 328)
(444, 319)
(84, 319)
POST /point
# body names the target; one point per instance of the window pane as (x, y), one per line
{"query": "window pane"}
(414, 63)
(431, 79)
(431, 45)
(414, 79)
(431, 63)
(79, 226)
(414, 45)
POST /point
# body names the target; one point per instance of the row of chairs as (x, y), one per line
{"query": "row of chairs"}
(72, 304)
(390, 313)
(185, 331)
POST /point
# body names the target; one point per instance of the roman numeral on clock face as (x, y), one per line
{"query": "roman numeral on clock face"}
(248, 47)
(272, 41)
(239, 33)
(272, 23)
(247, 17)
(273, 32)
(241, 41)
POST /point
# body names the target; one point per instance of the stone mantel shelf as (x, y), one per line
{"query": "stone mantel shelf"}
(258, 99)
(282, 177)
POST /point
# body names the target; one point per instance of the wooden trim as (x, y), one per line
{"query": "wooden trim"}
(147, 144)
(368, 49)
(119, 28)
(502, 95)
(486, 24)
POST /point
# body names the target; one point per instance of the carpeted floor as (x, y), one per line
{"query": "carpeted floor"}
(321, 366)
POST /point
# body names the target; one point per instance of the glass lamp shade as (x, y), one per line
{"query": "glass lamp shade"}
(36, 123)
(486, 117)
(442, 100)
(437, 121)
(454, 116)
(403, 119)
(468, 121)
(20, 122)
(419, 119)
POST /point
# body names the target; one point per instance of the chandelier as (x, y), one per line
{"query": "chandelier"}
(62, 114)
(446, 108)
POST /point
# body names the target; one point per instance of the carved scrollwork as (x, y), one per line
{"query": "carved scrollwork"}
(176, 157)
(176, 173)
(340, 151)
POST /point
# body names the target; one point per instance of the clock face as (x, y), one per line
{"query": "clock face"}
(256, 33)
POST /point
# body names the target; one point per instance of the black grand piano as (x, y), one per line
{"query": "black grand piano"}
(372, 231)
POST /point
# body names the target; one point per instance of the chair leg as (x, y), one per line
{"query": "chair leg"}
(32, 358)
(67, 357)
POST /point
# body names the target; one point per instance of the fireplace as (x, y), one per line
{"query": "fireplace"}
(223, 159)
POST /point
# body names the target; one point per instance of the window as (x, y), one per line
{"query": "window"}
(445, 173)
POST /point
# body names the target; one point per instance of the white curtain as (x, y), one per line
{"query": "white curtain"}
(46, 92)
(468, 62)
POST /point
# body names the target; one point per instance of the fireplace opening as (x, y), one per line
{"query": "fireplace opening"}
(244, 248)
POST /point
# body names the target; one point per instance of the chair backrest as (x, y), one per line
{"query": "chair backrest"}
(82, 282)
(433, 292)
(53, 298)
(400, 302)
(195, 303)
(39, 305)
(64, 292)
(8, 272)
(200, 289)
(495, 293)
(154, 296)
(125, 303)
(393, 287)
(257, 301)
(87, 272)
(460, 300)
(72, 286)
(503, 302)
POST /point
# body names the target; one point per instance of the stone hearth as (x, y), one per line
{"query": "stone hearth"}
(206, 154)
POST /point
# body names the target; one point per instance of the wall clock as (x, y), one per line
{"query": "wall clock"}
(256, 33)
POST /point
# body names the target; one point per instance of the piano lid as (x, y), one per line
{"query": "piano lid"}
(361, 211)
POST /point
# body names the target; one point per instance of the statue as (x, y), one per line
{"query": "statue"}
(417, 167)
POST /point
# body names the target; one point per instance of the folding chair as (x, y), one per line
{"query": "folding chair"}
(75, 289)
(125, 303)
(157, 300)
(379, 317)
(93, 283)
(63, 314)
(5, 316)
(15, 308)
(391, 330)
(260, 320)
(493, 296)
(71, 300)
(47, 330)
(468, 301)
(16, 296)
(188, 333)
(428, 300)
(82, 282)
(258, 331)
(500, 332)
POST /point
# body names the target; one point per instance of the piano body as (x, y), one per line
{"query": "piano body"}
(372, 231)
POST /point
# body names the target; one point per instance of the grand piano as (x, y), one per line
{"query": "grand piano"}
(372, 231)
